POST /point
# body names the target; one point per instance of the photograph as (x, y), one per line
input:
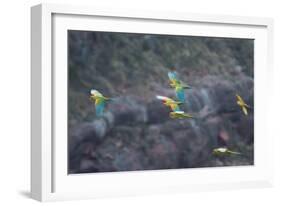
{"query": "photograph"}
(139, 101)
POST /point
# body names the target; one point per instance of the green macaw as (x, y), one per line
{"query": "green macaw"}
(174, 106)
(99, 101)
(178, 85)
(221, 151)
(242, 104)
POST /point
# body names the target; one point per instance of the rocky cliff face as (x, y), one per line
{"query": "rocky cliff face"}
(138, 135)
(135, 132)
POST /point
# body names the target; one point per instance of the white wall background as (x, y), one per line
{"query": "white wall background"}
(15, 102)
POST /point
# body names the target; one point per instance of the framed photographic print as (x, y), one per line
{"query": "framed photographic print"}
(137, 102)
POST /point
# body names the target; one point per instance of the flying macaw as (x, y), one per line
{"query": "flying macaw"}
(221, 151)
(174, 106)
(174, 80)
(99, 101)
(177, 85)
(242, 104)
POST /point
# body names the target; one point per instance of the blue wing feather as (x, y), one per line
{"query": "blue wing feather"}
(99, 108)
(180, 94)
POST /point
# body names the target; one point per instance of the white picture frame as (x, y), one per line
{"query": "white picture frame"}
(49, 178)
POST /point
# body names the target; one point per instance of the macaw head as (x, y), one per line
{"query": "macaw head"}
(92, 96)
(93, 92)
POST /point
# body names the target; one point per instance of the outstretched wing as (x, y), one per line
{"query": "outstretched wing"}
(188, 115)
(245, 110)
(185, 86)
(179, 112)
(182, 114)
(236, 153)
(163, 98)
(240, 99)
(173, 76)
(99, 105)
(180, 94)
